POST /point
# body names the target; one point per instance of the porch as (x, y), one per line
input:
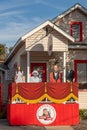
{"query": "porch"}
(34, 59)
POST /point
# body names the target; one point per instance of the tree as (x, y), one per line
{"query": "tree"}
(2, 49)
(10, 49)
(2, 52)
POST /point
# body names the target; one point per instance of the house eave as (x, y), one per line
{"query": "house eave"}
(78, 47)
(76, 6)
(14, 48)
(44, 25)
(35, 30)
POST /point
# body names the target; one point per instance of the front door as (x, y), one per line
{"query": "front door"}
(41, 68)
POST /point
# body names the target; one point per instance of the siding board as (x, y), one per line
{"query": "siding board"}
(83, 99)
(60, 43)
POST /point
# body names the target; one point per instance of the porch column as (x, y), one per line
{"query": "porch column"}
(28, 66)
(64, 66)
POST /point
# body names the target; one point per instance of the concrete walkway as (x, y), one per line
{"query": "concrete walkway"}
(5, 126)
(59, 128)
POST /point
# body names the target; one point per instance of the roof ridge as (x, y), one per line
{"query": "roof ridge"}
(77, 5)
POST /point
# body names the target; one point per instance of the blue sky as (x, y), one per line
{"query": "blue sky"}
(17, 17)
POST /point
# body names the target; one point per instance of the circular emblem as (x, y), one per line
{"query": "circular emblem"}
(46, 114)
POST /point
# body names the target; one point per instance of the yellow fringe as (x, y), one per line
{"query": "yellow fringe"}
(71, 95)
(28, 101)
(62, 100)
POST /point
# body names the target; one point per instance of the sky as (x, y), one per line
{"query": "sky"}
(18, 17)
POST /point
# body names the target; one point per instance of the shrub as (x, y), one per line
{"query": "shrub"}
(83, 113)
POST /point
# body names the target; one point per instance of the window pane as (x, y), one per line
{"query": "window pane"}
(76, 31)
(82, 72)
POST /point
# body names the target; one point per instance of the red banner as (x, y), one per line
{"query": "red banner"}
(62, 114)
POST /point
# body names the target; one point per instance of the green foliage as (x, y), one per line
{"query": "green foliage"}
(2, 49)
(83, 113)
(10, 49)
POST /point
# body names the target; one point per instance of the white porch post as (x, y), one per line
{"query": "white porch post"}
(64, 66)
(28, 66)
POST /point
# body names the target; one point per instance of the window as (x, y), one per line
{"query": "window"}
(82, 72)
(76, 31)
(80, 67)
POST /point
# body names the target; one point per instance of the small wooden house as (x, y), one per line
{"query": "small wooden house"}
(63, 38)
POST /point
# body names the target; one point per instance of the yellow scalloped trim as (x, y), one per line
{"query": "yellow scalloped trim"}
(62, 100)
(45, 96)
(28, 101)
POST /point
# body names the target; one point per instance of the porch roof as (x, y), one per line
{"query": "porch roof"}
(51, 25)
(23, 38)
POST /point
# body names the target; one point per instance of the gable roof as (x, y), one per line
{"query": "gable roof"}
(76, 6)
(47, 23)
(51, 25)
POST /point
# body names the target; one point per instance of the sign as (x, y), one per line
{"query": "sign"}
(46, 114)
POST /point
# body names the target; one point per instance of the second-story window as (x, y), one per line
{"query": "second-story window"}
(76, 30)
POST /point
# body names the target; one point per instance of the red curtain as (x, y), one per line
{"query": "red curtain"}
(75, 89)
(11, 90)
(31, 91)
(58, 90)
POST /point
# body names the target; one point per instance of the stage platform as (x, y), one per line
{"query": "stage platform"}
(43, 104)
(43, 114)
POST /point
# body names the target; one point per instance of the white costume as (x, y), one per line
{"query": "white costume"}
(34, 78)
(19, 76)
